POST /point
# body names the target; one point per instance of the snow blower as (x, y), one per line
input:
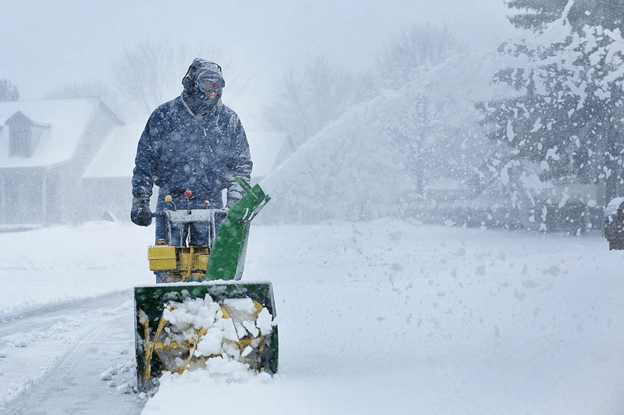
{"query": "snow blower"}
(204, 315)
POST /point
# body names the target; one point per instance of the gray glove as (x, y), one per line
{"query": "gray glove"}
(140, 214)
(232, 197)
(234, 194)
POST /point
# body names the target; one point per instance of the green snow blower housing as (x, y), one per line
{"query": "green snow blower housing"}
(204, 313)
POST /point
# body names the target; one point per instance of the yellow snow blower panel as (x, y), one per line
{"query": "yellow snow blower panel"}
(161, 258)
(193, 258)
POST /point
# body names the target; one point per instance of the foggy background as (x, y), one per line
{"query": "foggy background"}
(381, 116)
(49, 45)
(448, 112)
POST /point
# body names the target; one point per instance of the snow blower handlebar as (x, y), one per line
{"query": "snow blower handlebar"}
(228, 245)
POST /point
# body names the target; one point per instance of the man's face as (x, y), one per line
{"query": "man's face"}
(210, 87)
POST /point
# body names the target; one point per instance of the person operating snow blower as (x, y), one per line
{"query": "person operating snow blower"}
(191, 148)
(201, 313)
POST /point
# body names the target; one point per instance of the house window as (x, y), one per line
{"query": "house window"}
(20, 141)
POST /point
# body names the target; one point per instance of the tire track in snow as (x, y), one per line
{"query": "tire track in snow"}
(91, 338)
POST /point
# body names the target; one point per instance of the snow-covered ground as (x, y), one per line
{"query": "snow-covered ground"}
(382, 317)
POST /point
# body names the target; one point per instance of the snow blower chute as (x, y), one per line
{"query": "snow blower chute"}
(204, 315)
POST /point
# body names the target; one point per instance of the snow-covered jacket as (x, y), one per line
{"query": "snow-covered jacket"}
(178, 151)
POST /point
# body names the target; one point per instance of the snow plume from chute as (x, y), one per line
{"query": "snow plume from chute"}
(381, 153)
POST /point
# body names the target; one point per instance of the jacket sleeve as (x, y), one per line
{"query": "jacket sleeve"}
(144, 163)
(239, 164)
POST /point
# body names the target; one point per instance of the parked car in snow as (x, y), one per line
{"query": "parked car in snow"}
(614, 223)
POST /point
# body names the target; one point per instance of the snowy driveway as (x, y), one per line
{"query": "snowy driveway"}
(381, 317)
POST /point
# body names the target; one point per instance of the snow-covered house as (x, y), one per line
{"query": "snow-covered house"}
(71, 160)
(108, 179)
(45, 148)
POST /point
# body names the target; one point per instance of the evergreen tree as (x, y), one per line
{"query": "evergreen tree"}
(568, 116)
(536, 14)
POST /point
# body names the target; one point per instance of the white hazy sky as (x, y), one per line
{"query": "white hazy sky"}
(48, 44)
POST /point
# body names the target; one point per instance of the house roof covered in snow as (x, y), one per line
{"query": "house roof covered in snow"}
(116, 157)
(60, 125)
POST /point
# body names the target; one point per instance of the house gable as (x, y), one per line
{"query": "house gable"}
(24, 135)
(41, 163)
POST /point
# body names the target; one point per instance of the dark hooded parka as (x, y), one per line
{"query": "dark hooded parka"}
(192, 142)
